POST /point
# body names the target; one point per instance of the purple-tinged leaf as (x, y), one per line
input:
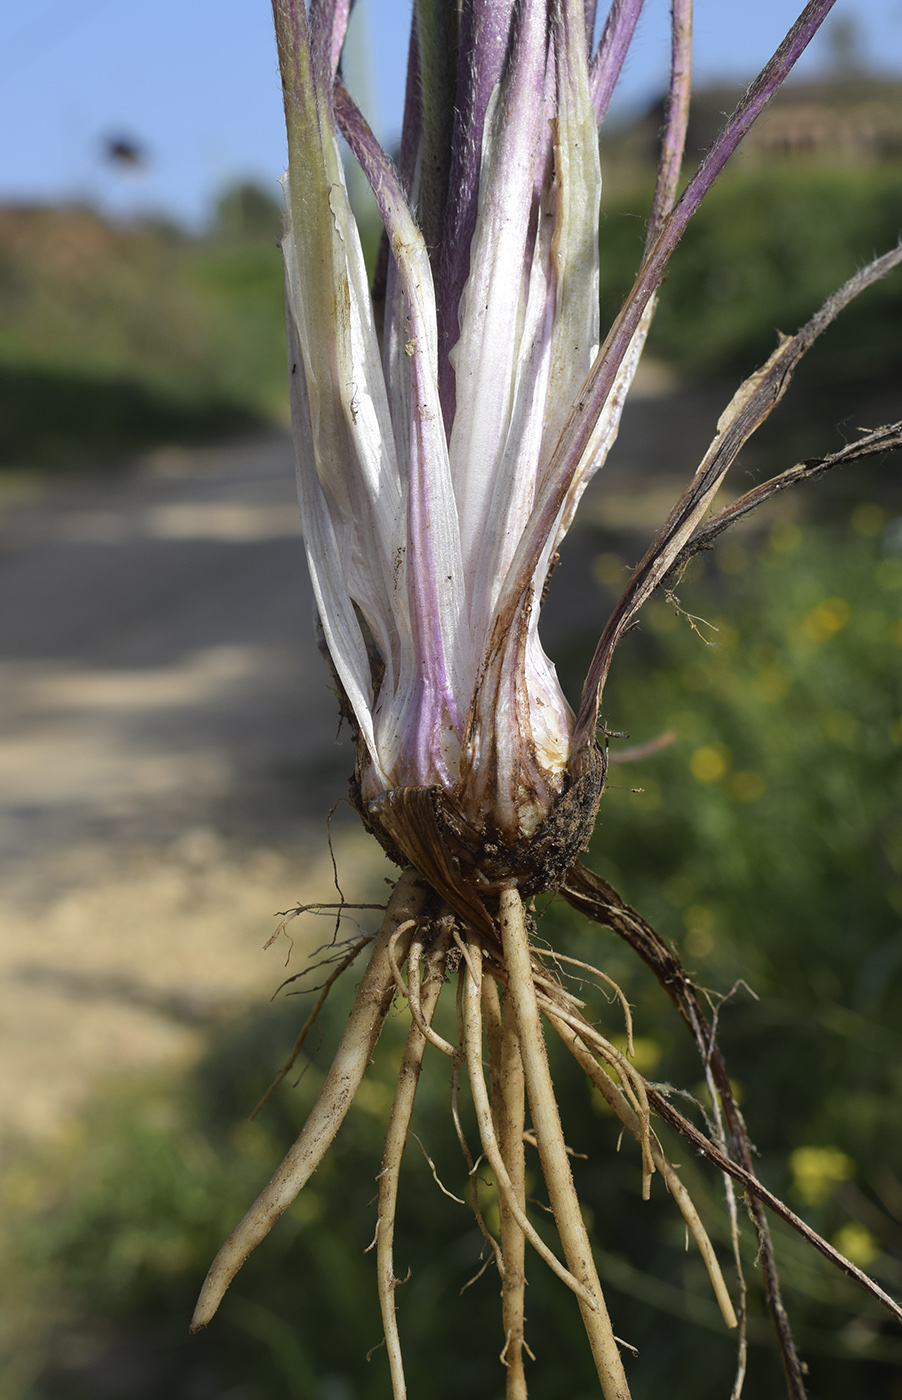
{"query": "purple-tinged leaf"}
(576, 441)
(590, 10)
(411, 136)
(674, 142)
(328, 27)
(761, 92)
(437, 668)
(610, 55)
(485, 38)
(438, 25)
(412, 123)
(487, 353)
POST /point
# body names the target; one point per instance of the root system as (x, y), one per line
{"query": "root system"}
(506, 995)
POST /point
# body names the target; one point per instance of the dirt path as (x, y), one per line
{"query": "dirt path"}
(167, 757)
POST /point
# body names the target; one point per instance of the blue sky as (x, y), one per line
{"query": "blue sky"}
(195, 83)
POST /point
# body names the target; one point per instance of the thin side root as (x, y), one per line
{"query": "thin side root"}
(553, 1149)
(368, 1013)
(587, 1062)
(311, 1021)
(609, 981)
(412, 992)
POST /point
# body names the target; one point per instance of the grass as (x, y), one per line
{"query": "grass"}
(112, 338)
(766, 248)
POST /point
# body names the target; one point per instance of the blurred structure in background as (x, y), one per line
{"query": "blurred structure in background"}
(124, 153)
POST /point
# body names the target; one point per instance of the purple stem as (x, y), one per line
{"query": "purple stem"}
(751, 405)
(590, 9)
(411, 133)
(613, 46)
(328, 26)
(762, 90)
(412, 124)
(485, 37)
(674, 143)
(591, 400)
(322, 25)
(593, 395)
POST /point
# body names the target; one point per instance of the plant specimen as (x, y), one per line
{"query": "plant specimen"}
(446, 425)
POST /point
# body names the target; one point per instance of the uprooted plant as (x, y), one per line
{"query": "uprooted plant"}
(446, 425)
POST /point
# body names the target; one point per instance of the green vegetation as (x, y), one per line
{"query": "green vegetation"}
(111, 339)
(114, 338)
(766, 249)
(767, 843)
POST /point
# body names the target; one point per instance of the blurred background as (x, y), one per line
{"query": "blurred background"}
(169, 748)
